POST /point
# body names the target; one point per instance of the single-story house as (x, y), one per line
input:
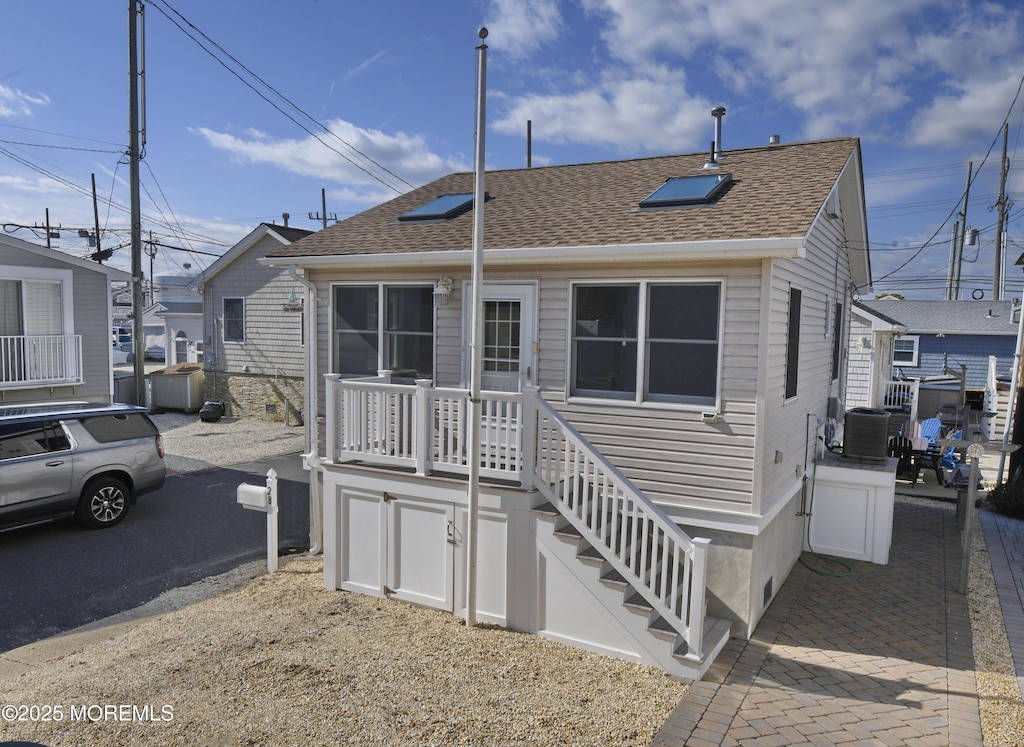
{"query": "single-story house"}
(253, 329)
(940, 342)
(55, 325)
(664, 341)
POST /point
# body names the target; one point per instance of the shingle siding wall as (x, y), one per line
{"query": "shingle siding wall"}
(273, 347)
(859, 365)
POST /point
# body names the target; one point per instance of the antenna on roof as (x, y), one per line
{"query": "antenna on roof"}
(529, 143)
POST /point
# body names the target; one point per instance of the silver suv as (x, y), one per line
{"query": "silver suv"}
(90, 460)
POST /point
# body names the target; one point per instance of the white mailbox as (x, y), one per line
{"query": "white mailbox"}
(255, 497)
(259, 498)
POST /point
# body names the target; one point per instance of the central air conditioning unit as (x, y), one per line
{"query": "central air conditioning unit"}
(866, 434)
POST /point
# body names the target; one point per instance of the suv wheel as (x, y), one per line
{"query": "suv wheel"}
(104, 503)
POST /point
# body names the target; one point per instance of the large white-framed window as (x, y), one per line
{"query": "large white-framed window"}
(647, 341)
(905, 350)
(381, 327)
(234, 320)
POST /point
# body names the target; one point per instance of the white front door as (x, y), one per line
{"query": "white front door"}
(509, 352)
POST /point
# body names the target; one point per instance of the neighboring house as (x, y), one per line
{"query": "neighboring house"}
(663, 342)
(253, 329)
(182, 331)
(869, 366)
(946, 339)
(945, 335)
(55, 325)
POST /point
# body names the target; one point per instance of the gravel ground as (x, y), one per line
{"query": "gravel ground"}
(192, 445)
(283, 661)
(251, 659)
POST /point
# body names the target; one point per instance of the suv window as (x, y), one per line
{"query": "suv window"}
(120, 427)
(26, 439)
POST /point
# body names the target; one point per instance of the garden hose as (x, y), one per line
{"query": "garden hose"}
(810, 513)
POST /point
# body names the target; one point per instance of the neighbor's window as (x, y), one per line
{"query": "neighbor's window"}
(404, 344)
(793, 341)
(654, 342)
(234, 320)
(905, 350)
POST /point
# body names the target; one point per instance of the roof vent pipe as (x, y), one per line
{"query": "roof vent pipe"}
(773, 140)
(718, 112)
(711, 163)
(285, 217)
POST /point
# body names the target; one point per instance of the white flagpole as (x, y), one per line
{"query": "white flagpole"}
(476, 341)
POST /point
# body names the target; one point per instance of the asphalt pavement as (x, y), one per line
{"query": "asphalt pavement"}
(58, 576)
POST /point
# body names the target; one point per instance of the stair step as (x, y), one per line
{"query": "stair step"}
(590, 555)
(716, 633)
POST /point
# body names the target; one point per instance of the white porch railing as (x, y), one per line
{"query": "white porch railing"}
(40, 360)
(902, 395)
(524, 439)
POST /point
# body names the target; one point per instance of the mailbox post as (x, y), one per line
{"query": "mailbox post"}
(257, 498)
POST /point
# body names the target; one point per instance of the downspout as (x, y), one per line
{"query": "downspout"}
(311, 459)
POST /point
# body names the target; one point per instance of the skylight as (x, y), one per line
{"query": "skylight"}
(443, 208)
(687, 190)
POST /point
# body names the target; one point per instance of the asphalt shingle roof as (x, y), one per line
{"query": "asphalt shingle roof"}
(776, 192)
(952, 317)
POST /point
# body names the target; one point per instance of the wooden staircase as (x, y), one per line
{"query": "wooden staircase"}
(655, 639)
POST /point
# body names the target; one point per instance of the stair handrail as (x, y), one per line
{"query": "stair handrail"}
(678, 591)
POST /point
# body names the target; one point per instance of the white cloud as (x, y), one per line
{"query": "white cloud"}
(521, 26)
(854, 67)
(14, 102)
(971, 109)
(406, 156)
(653, 112)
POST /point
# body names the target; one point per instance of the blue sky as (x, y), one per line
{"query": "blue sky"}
(925, 84)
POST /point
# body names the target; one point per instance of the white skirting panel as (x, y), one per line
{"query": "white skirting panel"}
(851, 510)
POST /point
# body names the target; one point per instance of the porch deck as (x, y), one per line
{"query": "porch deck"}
(523, 440)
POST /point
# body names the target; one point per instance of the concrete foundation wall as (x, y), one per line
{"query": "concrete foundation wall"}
(274, 398)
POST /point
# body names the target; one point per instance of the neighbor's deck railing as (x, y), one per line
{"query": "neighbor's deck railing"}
(901, 395)
(40, 360)
(524, 439)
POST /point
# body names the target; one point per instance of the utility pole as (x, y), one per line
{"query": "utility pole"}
(322, 216)
(953, 293)
(138, 348)
(96, 221)
(997, 273)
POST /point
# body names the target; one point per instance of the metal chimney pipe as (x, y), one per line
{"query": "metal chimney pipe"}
(285, 217)
(718, 112)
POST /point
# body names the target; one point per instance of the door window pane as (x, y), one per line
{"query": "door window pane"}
(501, 336)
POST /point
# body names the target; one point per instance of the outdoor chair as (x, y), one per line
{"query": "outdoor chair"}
(930, 429)
(903, 449)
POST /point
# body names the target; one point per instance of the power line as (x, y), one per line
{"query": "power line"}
(365, 169)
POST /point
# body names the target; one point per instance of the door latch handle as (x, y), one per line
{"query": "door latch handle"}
(55, 464)
(451, 533)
